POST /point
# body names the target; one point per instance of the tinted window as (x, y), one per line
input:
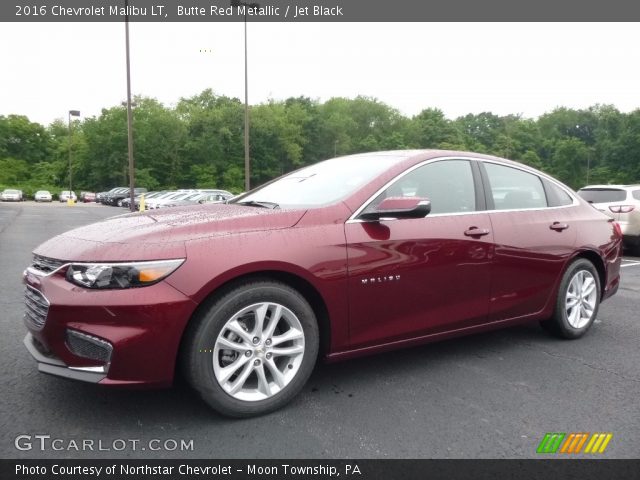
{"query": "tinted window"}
(448, 184)
(603, 195)
(636, 194)
(514, 189)
(323, 183)
(556, 196)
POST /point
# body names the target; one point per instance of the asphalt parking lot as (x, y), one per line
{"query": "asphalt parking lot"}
(493, 395)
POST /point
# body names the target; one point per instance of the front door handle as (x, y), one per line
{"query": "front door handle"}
(558, 227)
(476, 232)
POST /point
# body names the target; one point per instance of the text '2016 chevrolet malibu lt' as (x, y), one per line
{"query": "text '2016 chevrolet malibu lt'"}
(347, 257)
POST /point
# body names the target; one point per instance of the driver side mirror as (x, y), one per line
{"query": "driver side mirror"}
(399, 207)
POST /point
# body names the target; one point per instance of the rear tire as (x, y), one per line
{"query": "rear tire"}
(242, 363)
(577, 303)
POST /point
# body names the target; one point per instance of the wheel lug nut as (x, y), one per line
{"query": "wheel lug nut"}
(248, 353)
(268, 342)
(256, 340)
(256, 362)
(268, 355)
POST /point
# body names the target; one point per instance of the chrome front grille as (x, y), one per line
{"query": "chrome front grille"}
(46, 264)
(37, 308)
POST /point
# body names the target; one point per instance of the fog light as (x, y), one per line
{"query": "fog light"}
(88, 346)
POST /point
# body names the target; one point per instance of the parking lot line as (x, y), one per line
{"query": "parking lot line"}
(629, 263)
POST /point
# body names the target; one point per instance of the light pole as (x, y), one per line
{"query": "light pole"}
(247, 162)
(132, 205)
(72, 113)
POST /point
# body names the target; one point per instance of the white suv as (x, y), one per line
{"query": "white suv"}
(621, 202)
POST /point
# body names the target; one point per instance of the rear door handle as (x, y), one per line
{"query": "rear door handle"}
(476, 232)
(557, 226)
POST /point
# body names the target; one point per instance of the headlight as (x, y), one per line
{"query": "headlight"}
(120, 275)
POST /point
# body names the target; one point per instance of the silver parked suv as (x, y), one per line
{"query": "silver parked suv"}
(621, 202)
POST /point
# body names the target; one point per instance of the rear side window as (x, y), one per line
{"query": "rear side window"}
(636, 194)
(603, 195)
(514, 189)
(556, 196)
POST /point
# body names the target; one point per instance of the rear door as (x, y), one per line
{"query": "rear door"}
(533, 235)
(414, 277)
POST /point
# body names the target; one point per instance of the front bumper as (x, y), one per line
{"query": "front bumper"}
(49, 363)
(141, 326)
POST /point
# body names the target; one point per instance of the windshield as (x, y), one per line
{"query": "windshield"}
(321, 184)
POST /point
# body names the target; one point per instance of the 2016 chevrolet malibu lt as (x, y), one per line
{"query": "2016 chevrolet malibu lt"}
(347, 257)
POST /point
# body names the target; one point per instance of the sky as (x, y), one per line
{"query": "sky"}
(505, 68)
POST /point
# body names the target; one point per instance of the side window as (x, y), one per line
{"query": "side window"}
(556, 196)
(448, 184)
(636, 194)
(514, 189)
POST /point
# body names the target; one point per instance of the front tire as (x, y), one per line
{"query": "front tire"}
(252, 350)
(577, 303)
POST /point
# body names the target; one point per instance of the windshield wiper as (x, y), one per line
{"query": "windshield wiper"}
(256, 203)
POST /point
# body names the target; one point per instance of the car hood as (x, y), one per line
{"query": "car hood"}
(161, 234)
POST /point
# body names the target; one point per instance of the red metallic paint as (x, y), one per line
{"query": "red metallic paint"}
(426, 278)
(444, 276)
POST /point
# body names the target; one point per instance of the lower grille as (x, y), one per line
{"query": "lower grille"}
(88, 346)
(37, 308)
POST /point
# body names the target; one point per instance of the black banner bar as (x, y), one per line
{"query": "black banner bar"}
(317, 10)
(579, 469)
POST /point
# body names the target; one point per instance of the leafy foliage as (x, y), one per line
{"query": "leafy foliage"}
(199, 142)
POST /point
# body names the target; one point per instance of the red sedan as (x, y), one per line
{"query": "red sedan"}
(343, 258)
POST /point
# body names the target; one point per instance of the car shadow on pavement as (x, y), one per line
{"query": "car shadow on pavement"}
(179, 403)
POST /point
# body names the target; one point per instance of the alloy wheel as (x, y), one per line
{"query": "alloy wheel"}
(581, 299)
(258, 351)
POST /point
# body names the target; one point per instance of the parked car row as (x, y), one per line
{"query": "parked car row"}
(119, 196)
(115, 196)
(179, 198)
(15, 195)
(160, 199)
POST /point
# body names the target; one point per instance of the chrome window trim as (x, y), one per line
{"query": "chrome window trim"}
(353, 218)
(526, 169)
(398, 177)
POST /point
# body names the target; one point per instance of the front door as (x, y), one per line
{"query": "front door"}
(414, 277)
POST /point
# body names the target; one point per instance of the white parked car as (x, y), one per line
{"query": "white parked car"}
(11, 195)
(66, 194)
(216, 196)
(42, 196)
(167, 199)
(621, 202)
